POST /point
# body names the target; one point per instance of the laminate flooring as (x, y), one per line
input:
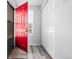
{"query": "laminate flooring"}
(34, 52)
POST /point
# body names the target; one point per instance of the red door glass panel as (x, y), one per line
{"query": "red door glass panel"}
(22, 27)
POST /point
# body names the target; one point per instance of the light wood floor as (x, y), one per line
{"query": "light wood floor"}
(35, 52)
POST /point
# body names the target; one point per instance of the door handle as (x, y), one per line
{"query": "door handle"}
(26, 29)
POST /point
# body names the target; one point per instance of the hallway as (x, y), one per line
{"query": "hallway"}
(43, 28)
(35, 52)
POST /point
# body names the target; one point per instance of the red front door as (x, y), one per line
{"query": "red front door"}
(22, 26)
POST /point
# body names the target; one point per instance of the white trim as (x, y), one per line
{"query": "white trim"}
(34, 44)
(50, 52)
(44, 3)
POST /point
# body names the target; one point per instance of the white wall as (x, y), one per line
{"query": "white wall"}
(35, 38)
(63, 30)
(57, 28)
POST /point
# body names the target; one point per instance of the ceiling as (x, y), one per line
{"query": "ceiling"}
(17, 3)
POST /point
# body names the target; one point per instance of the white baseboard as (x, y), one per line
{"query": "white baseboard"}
(34, 44)
(50, 52)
